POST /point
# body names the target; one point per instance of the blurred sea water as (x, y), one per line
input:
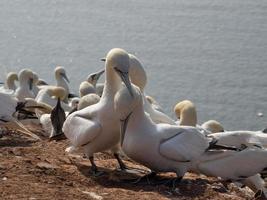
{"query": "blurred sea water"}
(211, 52)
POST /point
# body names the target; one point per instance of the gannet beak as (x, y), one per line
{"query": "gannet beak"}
(58, 118)
(97, 75)
(125, 78)
(65, 77)
(103, 59)
(30, 83)
(123, 127)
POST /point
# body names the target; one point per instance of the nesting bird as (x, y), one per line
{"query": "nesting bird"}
(24, 89)
(168, 148)
(10, 81)
(186, 112)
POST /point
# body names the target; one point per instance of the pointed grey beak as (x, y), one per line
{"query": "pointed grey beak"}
(2, 83)
(123, 127)
(30, 83)
(65, 77)
(103, 59)
(125, 78)
(97, 75)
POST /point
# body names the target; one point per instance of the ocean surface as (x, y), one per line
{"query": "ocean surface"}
(211, 52)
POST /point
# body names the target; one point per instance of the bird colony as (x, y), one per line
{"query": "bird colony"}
(119, 116)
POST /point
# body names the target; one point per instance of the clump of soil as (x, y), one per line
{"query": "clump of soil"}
(42, 170)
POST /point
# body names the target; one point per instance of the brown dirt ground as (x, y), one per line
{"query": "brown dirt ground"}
(42, 170)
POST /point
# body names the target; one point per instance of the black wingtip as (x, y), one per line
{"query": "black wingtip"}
(214, 146)
(20, 105)
(72, 95)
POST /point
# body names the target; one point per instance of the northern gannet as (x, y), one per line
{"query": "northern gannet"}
(24, 89)
(96, 127)
(186, 112)
(168, 148)
(90, 85)
(10, 81)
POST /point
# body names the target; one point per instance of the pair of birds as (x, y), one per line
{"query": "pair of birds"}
(124, 118)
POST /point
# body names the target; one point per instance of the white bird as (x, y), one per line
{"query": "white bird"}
(24, 90)
(90, 85)
(212, 126)
(93, 79)
(96, 128)
(88, 100)
(10, 81)
(168, 148)
(86, 88)
(8, 106)
(47, 95)
(186, 112)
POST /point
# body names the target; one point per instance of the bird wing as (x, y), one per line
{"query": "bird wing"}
(239, 138)
(7, 104)
(183, 146)
(232, 164)
(58, 117)
(80, 130)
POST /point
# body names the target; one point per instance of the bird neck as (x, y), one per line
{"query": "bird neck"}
(24, 85)
(10, 84)
(62, 83)
(139, 119)
(188, 118)
(111, 86)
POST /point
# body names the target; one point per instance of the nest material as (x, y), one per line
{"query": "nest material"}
(16, 127)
